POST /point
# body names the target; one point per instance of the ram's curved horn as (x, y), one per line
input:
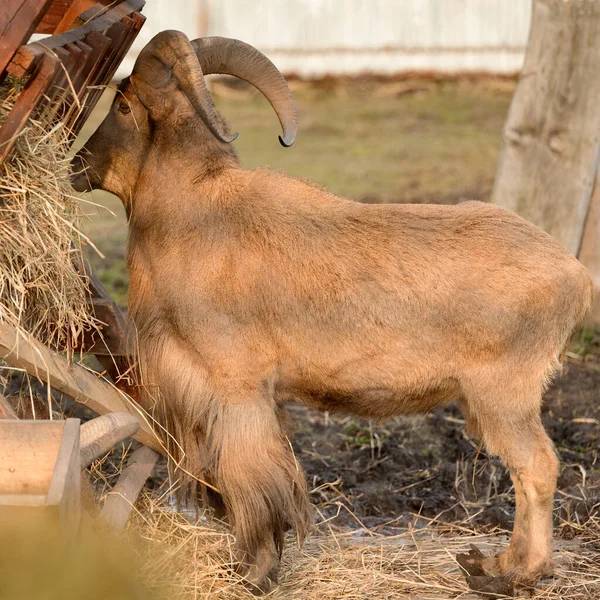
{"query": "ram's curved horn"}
(233, 57)
(170, 54)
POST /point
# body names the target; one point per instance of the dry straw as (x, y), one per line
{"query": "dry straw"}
(41, 288)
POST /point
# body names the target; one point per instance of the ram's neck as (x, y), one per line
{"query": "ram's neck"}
(181, 160)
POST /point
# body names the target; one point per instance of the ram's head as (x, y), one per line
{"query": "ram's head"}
(165, 92)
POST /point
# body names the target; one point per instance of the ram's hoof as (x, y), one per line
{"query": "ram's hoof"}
(482, 575)
(473, 562)
(490, 586)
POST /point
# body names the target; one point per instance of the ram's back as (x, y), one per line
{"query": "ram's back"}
(286, 278)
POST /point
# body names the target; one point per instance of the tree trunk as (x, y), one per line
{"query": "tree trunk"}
(549, 164)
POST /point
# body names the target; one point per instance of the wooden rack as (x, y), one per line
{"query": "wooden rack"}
(64, 76)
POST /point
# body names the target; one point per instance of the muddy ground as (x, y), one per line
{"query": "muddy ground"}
(408, 470)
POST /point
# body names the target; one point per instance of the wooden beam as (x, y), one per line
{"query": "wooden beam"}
(119, 503)
(62, 15)
(72, 380)
(18, 19)
(99, 435)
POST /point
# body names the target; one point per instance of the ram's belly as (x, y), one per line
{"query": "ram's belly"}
(374, 400)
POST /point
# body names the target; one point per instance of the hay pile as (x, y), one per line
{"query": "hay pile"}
(41, 289)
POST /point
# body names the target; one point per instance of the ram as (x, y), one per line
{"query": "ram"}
(249, 289)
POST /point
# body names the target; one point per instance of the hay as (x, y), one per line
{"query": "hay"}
(192, 557)
(42, 291)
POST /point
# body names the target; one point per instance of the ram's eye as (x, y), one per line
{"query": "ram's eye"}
(124, 108)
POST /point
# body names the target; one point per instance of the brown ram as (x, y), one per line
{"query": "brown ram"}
(249, 289)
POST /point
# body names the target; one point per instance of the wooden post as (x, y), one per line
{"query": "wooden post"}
(549, 163)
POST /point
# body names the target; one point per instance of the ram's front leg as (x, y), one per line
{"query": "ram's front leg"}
(263, 486)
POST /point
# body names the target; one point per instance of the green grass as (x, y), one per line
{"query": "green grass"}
(418, 141)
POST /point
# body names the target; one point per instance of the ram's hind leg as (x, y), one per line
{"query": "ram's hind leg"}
(508, 416)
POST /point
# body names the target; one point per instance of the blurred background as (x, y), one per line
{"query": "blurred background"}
(399, 100)
(319, 38)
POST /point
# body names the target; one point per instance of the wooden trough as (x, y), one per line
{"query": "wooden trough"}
(41, 462)
(40, 470)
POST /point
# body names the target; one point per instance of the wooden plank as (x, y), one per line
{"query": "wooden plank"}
(53, 16)
(125, 9)
(62, 15)
(65, 486)
(18, 19)
(99, 44)
(84, 65)
(72, 380)
(119, 502)
(552, 137)
(589, 254)
(25, 104)
(28, 455)
(52, 100)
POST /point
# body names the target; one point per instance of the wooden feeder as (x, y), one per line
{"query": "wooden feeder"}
(40, 471)
(41, 462)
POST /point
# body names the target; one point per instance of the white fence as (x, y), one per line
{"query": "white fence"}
(314, 38)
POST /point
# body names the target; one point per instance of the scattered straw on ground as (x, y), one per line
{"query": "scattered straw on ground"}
(193, 555)
(41, 290)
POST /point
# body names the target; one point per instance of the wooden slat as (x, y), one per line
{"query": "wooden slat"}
(62, 15)
(74, 381)
(119, 502)
(56, 90)
(25, 104)
(18, 19)
(84, 65)
(27, 55)
(99, 44)
(53, 16)
(123, 8)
